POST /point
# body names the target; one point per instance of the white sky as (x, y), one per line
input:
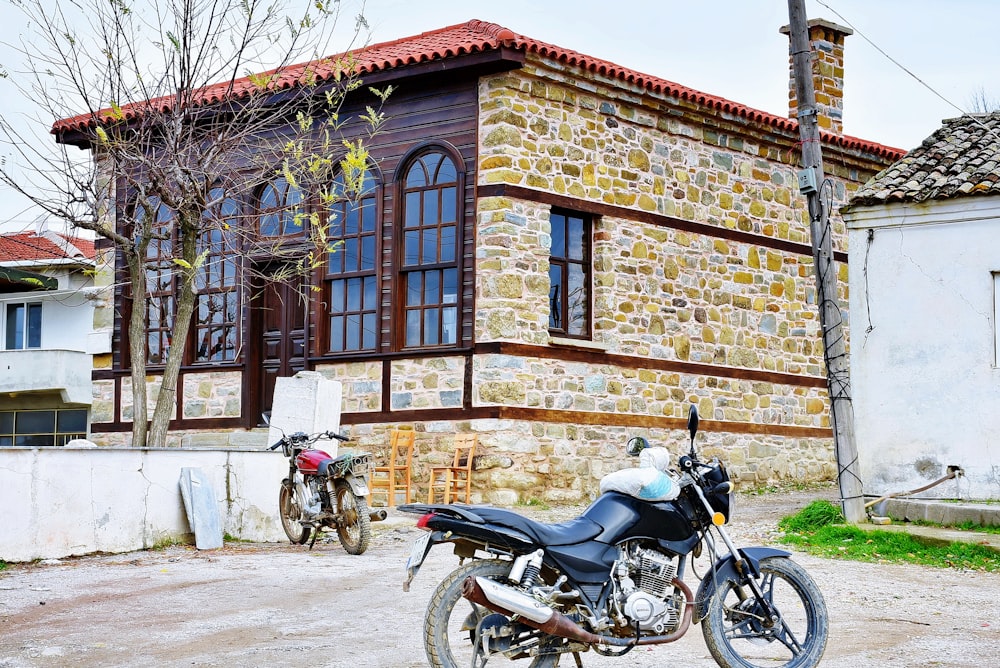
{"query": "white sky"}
(730, 48)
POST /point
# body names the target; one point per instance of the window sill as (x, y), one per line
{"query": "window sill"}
(577, 343)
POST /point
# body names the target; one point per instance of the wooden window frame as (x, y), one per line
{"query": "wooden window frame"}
(423, 304)
(281, 209)
(350, 238)
(564, 262)
(218, 341)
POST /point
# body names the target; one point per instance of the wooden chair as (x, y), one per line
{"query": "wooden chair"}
(454, 482)
(393, 474)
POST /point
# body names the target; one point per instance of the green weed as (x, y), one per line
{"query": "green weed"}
(819, 529)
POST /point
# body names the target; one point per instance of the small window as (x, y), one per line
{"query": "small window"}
(23, 326)
(569, 275)
(42, 428)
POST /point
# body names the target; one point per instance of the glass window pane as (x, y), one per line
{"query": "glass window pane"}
(336, 296)
(413, 328)
(416, 178)
(354, 294)
(574, 237)
(36, 422)
(368, 327)
(413, 289)
(558, 224)
(15, 326)
(430, 249)
(412, 210)
(7, 422)
(430, 209)
(350, 220)
(34, 326)
(411, 248)
(351, 254)
(449, 325)
(71, 421)
(448, 205)
(368, 214)
(431, 326)
(448, 243)
(432, 286)
(370, 300)
(353, 332)
(35, 441)
(367, 252)
(337, 333)
(446, 173)
(555, 297)
(577, 301)
(431, 161)
(450, 291)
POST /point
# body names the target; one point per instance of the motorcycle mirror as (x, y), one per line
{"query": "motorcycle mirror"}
(693, 425)
(266, 417)
(635, 445)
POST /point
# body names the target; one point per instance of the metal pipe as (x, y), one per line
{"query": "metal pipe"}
(539, 616)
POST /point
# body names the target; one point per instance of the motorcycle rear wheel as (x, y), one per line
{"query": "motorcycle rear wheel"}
(355, 526)
(290, 513)
(736, 637)
(449, 625)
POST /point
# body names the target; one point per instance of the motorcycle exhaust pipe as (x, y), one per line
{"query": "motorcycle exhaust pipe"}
(377, 515)
(509, 601)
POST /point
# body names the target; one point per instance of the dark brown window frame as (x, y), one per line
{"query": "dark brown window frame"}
(560, 309)
(438, 272)
(366, 276)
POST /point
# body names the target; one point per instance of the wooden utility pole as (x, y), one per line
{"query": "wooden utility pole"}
(811, 181)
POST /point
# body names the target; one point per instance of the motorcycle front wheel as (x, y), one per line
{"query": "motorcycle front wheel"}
(354, 528)
(737, 634)
(451, 622)
(290, 513)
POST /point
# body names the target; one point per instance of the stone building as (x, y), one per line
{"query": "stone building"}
(558, 253)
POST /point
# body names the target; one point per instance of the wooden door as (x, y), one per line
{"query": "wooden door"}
(280, 314)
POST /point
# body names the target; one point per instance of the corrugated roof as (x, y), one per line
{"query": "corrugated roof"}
(468, 38)
(962, 158)
(28, 246)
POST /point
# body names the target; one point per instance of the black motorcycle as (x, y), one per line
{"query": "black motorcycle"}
(613, 579)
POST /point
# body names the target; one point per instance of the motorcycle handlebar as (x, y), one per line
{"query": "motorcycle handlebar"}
(301, 437)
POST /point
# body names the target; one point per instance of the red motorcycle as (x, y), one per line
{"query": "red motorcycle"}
(323, 492)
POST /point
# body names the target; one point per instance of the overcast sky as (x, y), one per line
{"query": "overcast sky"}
(730, 48)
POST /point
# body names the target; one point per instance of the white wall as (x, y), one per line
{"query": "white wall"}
(924, 374)
(59, 502)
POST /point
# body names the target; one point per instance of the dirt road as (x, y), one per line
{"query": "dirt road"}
(278, 605)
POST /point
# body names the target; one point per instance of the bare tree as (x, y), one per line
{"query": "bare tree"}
(184, 105)
(981, 102)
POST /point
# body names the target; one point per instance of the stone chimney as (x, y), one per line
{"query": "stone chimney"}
(826, 42)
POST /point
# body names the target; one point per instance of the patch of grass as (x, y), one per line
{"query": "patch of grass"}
(3, 565)
(229, 538)
(963, 526)
(534, 503)
(819, 529)
(165, 542)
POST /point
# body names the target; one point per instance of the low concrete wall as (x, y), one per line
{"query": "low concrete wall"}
(59, 502)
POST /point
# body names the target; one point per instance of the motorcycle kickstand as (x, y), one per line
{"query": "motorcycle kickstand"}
(579, 661)
(313, 541)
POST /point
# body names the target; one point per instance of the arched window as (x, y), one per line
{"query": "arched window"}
(216, 325)
(279, 204)
(351, 285)
(429, 264)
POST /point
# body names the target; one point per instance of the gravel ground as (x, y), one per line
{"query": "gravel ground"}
(282, 605)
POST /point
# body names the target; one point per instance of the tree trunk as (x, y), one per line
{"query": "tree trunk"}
(166, 407)
(137, 347)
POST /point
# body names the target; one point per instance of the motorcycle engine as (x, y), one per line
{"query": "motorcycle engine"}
(644, 579)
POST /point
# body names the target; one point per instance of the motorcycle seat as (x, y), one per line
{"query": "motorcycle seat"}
(574, 531)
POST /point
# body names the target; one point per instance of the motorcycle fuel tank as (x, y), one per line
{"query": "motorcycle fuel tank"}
(626, 517)
(308, 461)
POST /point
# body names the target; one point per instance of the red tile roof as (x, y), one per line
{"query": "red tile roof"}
(479, 36)
(27, 246)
